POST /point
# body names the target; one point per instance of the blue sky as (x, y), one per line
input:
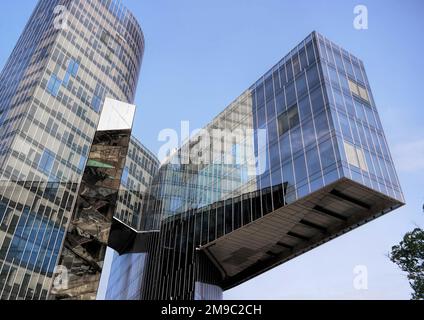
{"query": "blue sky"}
(200, 55)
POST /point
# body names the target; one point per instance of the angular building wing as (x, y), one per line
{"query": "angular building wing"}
(297, 160)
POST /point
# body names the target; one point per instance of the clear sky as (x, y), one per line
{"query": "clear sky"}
(200, 55)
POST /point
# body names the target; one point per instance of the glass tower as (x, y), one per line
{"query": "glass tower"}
(297, 160)
(69, 58)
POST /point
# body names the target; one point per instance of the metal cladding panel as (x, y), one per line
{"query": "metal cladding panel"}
(116, 115)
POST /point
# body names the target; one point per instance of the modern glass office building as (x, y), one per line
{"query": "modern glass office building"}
(71, 55)
(297, 160)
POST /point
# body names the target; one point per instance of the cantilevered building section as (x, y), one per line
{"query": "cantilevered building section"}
(306, 161)
(52, 91)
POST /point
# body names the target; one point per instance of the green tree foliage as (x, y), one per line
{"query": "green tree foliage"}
(409, 256)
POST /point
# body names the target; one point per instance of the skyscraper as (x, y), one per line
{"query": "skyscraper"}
(70, 56)
(297, 160)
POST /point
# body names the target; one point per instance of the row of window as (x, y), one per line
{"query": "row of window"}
(286, 96)
(71, 71)
(54, 84)
(341, 59)
(125, 82)
(48, 158)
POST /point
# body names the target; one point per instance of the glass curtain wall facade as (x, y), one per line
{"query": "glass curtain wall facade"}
(140, 168)
(125, 282)
(52, 90)
(297, 160)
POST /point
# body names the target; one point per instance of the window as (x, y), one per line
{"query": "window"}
(51, 190)
(289, 71)
(280, 102)
(355, 156)
(305, 108)
(370, 117)
(82, 163)
(53, 85)
(260, 95)
(310, 52)
(360, 111)
(288, 120)
(46, 161)
(269, 89)
(303, 61)
(98, 97)
(353, 87)
(66, 79)
(312, 157)
(313, 76)
(300, 169)
(351, 155)
(105, 37)
(296, 65)
(49, 125)
(363, 93)
(270, 109)
(344, 125)
(333, 76)
(73, 67)
(321, 125)
(317, 101)
(358, 90)
(4, 212)
(327, 154)
(72, 70)
(290, 94)
(348, 66)
(288, 174)
(301, 85)
(261, 113)
(361, 159)
(125, 175)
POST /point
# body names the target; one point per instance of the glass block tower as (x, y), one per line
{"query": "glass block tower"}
(71, 55)
(297, 160)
